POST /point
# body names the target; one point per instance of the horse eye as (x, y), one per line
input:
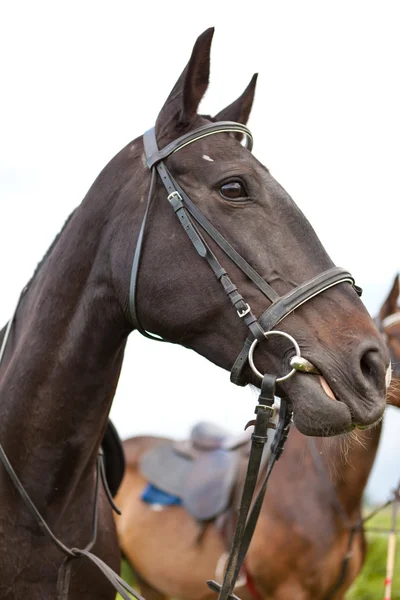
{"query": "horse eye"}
(233, 190)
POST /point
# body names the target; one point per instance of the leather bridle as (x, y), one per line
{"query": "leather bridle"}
(190, 218)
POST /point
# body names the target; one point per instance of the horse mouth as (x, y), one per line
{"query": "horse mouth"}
(328, 402)
(329, 392)
(320, 410)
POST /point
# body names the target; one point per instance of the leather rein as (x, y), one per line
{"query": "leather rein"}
(191, 218)
(71, 554)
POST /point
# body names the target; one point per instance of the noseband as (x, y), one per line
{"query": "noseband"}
(188, 214)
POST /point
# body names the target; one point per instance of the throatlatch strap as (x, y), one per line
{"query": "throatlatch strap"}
(136, 263)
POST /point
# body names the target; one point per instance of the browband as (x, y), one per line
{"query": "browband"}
(154, 155)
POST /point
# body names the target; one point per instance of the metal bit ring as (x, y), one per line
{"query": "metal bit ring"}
(267, 334)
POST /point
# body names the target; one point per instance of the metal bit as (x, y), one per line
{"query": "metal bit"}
(302, 364)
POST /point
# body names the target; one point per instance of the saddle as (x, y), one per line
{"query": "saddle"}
(114, 458)
(202, 471)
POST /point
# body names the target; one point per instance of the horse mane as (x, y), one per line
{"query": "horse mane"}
(49, 251)
(39, 265)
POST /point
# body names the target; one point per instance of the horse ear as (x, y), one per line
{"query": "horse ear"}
(182, 103)
(239, 110)
(390, 305)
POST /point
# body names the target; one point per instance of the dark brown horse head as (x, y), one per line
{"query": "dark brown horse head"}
(389, 322)
(178, 297)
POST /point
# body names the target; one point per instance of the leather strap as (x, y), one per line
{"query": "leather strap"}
(303, 293)
(258, 440)
(151, 149)
(136, 264)
(245, 525)
(289, 302)
(344, 566)
(154, 155)
(186, 211)
(277, 447)
(239, 261)
(116, 581)
(105, 483)
(200, 245)
(64, 574)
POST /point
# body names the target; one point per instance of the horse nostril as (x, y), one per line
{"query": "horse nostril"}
(373, 369)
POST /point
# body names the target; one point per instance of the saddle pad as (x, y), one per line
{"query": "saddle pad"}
(165, 469)
(152, 495)
(209, 484)
(114, 458)
(204, 484)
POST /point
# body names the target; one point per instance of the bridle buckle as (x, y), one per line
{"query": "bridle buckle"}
(244, 312)
(174, 195)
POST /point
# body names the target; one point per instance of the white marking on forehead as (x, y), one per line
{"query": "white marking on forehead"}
(206, 157)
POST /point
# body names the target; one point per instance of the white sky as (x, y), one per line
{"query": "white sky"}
(81, 79)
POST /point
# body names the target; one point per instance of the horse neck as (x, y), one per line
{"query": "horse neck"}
(349, 461)
(62, 363)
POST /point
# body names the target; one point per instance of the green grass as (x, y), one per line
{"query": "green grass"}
(128, 576)
(370, 583)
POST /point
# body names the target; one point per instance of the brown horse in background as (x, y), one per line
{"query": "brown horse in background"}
(301, 539)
